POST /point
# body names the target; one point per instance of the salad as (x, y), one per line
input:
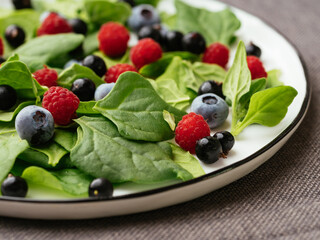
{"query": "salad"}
(86, 106)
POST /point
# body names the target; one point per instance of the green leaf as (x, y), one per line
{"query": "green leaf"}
(137, 110)
(76, 71)
(273, 79)
(214, 26)
(170, 20)
(102, 152)
(205, 71)
(169, 118)
(151, 2)
(90, 43)
(65, 138)
(86, 108)
(267, 107)
(7, 116)
(113, 61)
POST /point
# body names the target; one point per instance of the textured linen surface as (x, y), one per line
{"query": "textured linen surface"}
(279, 200)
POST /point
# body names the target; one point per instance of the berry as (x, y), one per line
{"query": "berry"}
(143, 15)
(102, 91)
(46, 77)
(256, 68)
(190, 129)
(211, 87)
(253, 50)
(15, 35)
(100, 188)
(14, 186)
(62, 104)
(208, 149)
(35, 124)
(113, 39)
(78, 26)
(130, 2)
(71, 62)
(96, 64)
(151, 32)
(226, 140)
(173, 41)
(212, 108)
(1, 47)
(84, 88)
(21, 4)
(54, 24)
(216, 53)
(115, 71)
(145, 52)
(194, 42)
(8, 97)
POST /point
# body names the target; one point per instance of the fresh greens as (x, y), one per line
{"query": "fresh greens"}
(86, 108)
(273, 79)
(7, 116)
(113, 61)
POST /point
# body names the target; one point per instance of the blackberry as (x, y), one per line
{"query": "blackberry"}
(100, 188)
(15, 35)
(14, 186)
(173, 41)
(253, 50)
(208, 149)
(8, 97)
(194, 42)
(211, 87)
(96, 64)
(84, 88)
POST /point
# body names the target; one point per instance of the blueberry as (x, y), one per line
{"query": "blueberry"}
(208, 149)
(15, 35)
(253, 50)
(70, 63)
(35, 124)
(78, 25)
(174, 41)
(14, 186)
(226, 140)
(100, 188)
(21, 4)
(212, 108)
(96, 64)
(211, 87)
(84, 88)
(130, 2)
(143, 15)
(8, 97)
(151, 32)
(2, 60)
(103, 90)
(194, 42)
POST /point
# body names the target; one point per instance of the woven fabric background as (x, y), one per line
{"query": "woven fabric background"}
(279, 200)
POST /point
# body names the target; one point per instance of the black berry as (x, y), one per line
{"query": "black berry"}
(150, 32)
(15, 35)
(96, 64)
(20, 4)
(78, 26)
(8, 97)
(208, 149)
(100, 188)
(130, 2)
(211, 87)
(174, 41)
(14, 186)
(253, 50)
(84, 88)
(226, 140)
(2, 60)
(194, 42)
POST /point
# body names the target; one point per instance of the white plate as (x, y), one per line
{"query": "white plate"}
(255, 145)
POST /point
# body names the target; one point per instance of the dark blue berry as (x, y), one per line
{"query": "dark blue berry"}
(253, 50)
(174, 41)
(21, 4)
(208, 149)
(103, 90)
(84, 88)
(96, 64)
(78, 25)
(130, 2)
(14, 186)
(226, 140)
(100, 188)
(194, 42)
(143, 15)
(8, 97)
(2, 60)
(15, 35)
(211, 87)
(151, 32)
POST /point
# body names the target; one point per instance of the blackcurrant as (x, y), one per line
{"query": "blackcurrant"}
(208, 149)
(100, 188)
(150, 32)
(14, 186)
(194, 42)
(226, 140)
(84, 88)
(211, 87)
(253, 50)
(96, 64)
(130, 2)
(174, 41)
(15, 35)
(21, 4)
(78, 26)
(8, 97)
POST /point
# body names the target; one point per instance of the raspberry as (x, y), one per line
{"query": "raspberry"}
(54, 24)
(146, 51)
(190, 129)
(46, 77)
(115, 71)
(113, 39)
(256, 68)
(1, 47)
(62, 104)
(216, 53)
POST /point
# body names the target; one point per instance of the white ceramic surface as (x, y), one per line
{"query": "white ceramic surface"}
(253, 147)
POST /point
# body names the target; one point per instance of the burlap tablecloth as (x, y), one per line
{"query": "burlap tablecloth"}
(279, 200)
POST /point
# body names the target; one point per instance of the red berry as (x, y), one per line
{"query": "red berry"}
(216, 53)
(115, 71)
(54, 24)
(1, 47)
(146, 51)
(256, 68)
(62, 104)
(46, 77)
(113, 39)
(190, 129)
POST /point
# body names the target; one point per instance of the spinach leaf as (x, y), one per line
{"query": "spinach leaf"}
(65, 138)
(268, 107)
(100, 151)
(76, 71)
(113, 61)
(90, 43)
(151, 2)
(7, 116)
(86, 108)
(137, 110)
(214, 26)
(170, 20)
(273, 79)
